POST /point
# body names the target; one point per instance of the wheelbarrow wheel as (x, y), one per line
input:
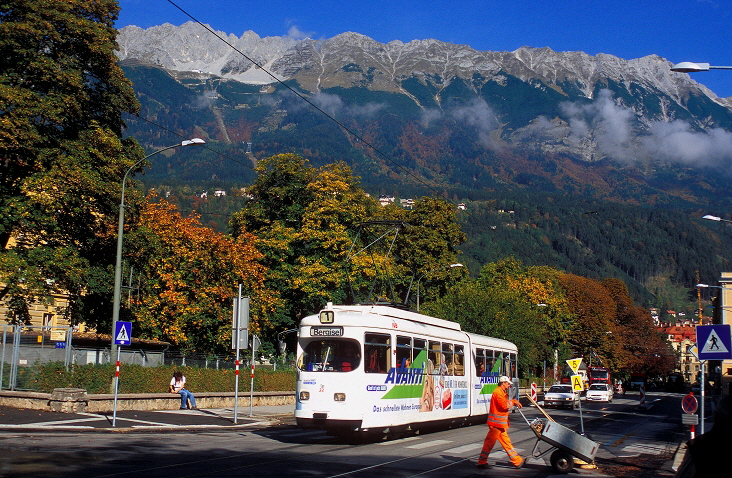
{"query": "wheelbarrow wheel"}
(562, 462)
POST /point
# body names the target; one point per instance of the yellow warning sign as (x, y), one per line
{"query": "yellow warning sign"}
(577, 384)
(574, 364)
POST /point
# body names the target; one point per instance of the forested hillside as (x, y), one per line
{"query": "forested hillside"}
(638, 221)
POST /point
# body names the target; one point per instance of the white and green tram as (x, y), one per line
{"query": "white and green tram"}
(377, 368)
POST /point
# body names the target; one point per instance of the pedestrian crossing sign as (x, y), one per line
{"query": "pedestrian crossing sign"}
(714, 342)
(122, 333)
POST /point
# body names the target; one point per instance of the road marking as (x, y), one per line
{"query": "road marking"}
(397, 441)
(429, 444)
(466, 448)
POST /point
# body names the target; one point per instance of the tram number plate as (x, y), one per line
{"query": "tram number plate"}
(326, 331)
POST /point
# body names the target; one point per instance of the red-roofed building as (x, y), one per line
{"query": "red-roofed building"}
(681, 337)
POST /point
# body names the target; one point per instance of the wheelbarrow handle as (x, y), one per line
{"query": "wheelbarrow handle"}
(533, 402)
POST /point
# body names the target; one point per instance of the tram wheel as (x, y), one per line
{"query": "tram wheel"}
(562, 462)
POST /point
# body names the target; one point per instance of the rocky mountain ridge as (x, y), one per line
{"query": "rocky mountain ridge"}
(318, 64)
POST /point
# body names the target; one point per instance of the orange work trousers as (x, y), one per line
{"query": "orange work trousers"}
(500, 435)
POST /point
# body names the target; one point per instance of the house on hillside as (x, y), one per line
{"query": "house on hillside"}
(385, 200)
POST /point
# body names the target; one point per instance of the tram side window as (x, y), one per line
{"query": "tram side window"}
(489, 360)
(433, 354)
(502, 361)
(459, 361)
(377, 349)
(479, 362)
(512, 369)
(420, 346)
(448, 367)
(403, 351)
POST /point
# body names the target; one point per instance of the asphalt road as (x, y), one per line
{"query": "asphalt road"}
(633, 443)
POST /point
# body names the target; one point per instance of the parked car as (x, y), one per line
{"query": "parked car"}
(600, 392)
(560, 396)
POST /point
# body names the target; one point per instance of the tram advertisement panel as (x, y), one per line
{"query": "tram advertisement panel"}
(420, 386)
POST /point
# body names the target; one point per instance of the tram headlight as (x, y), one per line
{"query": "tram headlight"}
(339, 397)
(304, 396)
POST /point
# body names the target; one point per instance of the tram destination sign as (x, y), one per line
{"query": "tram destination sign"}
(326, 331)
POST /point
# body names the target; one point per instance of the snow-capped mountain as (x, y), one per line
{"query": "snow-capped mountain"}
(351, 59)
(589, 107)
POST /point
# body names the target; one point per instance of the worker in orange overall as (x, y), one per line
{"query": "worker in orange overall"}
(498, 425)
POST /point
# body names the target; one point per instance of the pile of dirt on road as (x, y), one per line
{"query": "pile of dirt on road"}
(642, 466)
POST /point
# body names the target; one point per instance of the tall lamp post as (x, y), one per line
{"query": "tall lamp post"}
(120, 231)
(432, 270)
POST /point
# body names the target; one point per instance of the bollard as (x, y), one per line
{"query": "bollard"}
(533, 391)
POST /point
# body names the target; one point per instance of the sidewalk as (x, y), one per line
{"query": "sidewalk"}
(24, 420)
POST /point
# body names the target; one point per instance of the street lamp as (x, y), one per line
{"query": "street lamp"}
(120, 230)
(707, 285)
(691, 67)
(422, 276)
(715, 218)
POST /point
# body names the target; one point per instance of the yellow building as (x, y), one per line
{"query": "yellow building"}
(723, 315)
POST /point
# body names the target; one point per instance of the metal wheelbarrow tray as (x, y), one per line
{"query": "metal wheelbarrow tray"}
(565, 443)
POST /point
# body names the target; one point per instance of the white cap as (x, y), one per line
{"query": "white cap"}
(504, 379)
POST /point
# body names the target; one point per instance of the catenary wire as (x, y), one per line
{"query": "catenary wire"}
(299, 95)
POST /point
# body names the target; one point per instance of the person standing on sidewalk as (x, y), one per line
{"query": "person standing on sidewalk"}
(178, 385)
(498, 425)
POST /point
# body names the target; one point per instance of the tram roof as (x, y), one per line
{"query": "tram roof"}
(395, 313)
(387, 312)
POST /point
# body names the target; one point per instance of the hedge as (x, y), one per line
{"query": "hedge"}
(138, 379)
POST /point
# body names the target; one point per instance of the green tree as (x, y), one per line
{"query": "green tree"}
(302, 218)
(504, 303)
(62, 96)
(428, 246)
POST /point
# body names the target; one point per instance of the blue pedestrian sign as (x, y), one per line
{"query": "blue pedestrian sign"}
(122, 333)
(714, 342)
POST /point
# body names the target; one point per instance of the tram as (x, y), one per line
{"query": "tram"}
(377, 368)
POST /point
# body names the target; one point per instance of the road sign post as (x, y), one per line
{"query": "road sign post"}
(122, 336)
(239, 340)
(714, 342)
(577, 387)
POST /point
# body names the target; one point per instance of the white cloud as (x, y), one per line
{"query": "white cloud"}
(613, 128)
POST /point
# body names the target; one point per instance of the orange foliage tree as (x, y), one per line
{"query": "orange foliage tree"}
(188, 276)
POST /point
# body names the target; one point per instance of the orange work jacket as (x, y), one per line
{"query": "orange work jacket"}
(499, 408)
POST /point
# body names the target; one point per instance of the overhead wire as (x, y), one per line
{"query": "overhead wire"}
(205, 146)
(305, 99)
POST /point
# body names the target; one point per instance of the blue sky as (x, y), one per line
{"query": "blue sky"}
(678, 30)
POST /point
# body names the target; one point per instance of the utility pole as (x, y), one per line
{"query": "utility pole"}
(698, 299)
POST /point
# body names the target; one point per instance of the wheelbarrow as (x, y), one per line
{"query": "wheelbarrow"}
(565, 444)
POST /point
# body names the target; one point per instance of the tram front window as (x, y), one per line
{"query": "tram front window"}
(333, 355)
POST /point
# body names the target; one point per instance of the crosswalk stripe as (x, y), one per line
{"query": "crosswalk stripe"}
(429, 444)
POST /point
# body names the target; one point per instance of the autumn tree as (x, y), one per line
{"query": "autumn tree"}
(62, 96)
(594, 330)
(643, 349)
(188, 276)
